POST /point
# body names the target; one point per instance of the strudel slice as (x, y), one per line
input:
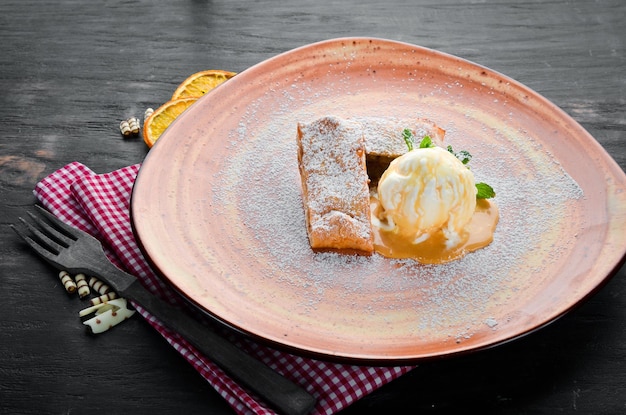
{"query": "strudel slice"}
(331, 158)
(384, 141)
(383, 136)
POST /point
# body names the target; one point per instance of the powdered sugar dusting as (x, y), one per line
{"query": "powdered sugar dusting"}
(259, 194)
(335, 184)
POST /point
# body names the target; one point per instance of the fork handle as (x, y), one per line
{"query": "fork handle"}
(278, 391)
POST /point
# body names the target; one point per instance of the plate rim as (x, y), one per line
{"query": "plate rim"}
(392, 360)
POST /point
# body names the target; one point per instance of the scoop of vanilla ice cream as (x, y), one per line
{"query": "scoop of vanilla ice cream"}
(424, 191)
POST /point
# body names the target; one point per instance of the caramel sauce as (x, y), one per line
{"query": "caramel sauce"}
(478, 234)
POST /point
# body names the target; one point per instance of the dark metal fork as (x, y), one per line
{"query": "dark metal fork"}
(67, 248)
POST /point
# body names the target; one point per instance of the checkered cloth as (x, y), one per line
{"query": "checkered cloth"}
(99, 205)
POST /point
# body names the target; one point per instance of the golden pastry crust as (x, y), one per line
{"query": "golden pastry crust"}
(383, 135)
(384, 141)
(331, 159)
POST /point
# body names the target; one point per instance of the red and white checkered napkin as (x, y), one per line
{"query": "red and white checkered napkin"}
(99, 204)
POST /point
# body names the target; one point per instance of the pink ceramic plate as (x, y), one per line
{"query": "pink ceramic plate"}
(218, 212)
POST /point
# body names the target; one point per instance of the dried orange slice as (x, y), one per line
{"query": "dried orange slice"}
(202, 82)
(163, 116)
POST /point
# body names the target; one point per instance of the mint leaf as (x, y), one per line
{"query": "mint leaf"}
(464, 156)
(426, 142)
(408, 138)
(484, 191)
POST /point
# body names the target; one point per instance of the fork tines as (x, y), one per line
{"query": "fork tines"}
(48, 240)
(64, 228)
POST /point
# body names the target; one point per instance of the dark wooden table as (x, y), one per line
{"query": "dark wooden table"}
(71, 70)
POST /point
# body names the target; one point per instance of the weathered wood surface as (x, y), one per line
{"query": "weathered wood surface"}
(71, 70)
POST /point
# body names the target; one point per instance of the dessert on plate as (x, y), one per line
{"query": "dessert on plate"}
(384, 185)
(331, 158)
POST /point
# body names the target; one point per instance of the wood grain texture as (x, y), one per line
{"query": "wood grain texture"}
(71, 70)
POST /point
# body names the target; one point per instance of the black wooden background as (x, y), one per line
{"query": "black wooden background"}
(71, 70)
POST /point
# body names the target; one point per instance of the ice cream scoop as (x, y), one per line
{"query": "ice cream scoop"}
(425, 191)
